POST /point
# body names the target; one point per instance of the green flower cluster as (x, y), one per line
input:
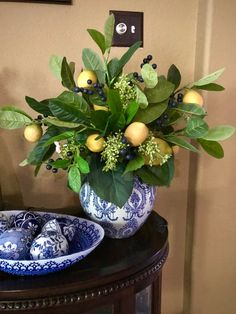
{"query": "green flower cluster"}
(126, 90)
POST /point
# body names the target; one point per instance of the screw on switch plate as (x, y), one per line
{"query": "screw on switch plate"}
(128, 28)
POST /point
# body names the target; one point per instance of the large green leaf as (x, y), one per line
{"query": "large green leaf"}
(55, 63)
(66, 75)
(131, 111)
(113, 67)
(151, 113)
(213, 148)
(61, 163)
(113, 100)
(174, 76)
(96, 100)
(157, 175)
(160, 92)
(211, 87)
(181, 142)
(82, 164)
(39, 106)
(62, 124)
(149, 76)
(99, 119)
(193, 109)
(15, 109)
(134, 164)
(93, 62)
(67, 112)
(12, 119)
(74, 179)
(39, 152)
(109, 31)
(210, 78)
(174, 116)
(141, 98)
(75, 100)
(111, 186)
(196, 127)
(98, 38)
(60, 137)
(219, 133)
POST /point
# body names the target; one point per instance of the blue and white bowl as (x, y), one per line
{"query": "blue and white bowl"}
(87, 237)
(4, 223)
(61, 225)
(119, 222)
(15, 244)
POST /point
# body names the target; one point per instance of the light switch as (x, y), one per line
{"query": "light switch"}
(128, 28)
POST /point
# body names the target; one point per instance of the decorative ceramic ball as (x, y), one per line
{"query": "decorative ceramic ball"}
(61, 225)
(30, 221)
(3, 223)
(49, 244)
(15, 244)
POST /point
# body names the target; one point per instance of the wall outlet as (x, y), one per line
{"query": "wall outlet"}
(128, 28)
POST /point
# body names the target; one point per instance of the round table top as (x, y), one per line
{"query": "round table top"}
(112, 260)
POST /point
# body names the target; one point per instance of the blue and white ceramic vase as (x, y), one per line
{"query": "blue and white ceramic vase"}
(119, 222)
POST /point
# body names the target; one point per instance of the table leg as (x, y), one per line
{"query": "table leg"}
(156, 295)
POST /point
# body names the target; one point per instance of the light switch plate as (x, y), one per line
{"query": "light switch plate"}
(128, 28)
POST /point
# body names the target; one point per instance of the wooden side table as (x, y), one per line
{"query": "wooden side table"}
(119, 276)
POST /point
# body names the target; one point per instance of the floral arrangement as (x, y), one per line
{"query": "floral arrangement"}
(109, 127)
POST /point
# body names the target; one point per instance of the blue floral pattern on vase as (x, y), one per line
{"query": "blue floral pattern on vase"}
(4, 223)
(119, 222)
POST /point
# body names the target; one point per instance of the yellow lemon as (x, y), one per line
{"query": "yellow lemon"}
(164, 150)
(86, 76)
(33, 132)
(93, 144)
(136, 133)
(193, 97)
(97, 107)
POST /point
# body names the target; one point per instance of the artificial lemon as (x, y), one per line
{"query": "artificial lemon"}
(136, 133)
(85, 77)
(165, 149)
(33, 132)
(193, 97)
(97, 107)
(95, 145)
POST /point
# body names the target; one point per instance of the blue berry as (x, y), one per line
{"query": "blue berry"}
(165, 116)
(141, 65)
(69, 153)
(76, 89)
(90, 92)
(95, 85)
(123, 152)
(124, 140)
(145, 60)
(135, 74)
(39, 117)
(100, 92)
(54, 170)
(48, 167)
(180, 97)
(154, 66)
(149, 57)
(103, 98)
(85, 91)
(140, 79)
(130, 156)
(100, 85)
(50, 160)
(89, 82)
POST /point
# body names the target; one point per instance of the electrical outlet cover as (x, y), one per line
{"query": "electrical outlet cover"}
(128, 28)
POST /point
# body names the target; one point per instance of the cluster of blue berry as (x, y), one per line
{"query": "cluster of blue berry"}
(96, 88)
(128, 152)
(145, 61)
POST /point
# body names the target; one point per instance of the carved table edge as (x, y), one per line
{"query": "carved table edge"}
(73, 298)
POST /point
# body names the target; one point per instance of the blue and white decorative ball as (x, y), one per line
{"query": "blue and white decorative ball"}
(49, 244)
(15, 244)
(62, 225)
(3, 223)
(30, 221)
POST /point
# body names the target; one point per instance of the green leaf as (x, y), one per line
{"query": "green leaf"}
(160, 92)
(212, 148)
(113, 67)
(37, 155)
(211, 87)
(24, 163)
(174, 76)
(82, 164)
(75, 100)
(113, 100)
(62, 124)
(60, 137)
(64, 163)
(134, 164)
(111, 186)
(141, 98)
(151, 113)
(131, 111)
(13, 119)
(109, 31)
(219, 133)
(55, 63)
(181, 142)
(74, 179)
(66, 112)
(72, 68)
(99, 118)
(93, 62)
(193, 109)
(196, 127)
(149, 76)
(66, 75)
(98, 38)
(174, 116)
(39, 106)
(208, 78)
(15, 109)
(36, 170)
(96, 100)
(157, 175)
